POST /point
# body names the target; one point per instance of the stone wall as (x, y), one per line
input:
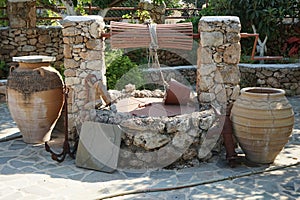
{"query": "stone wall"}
(23, 37)
(218, 57)
(283, 76)
(183, 74)
(42, 40)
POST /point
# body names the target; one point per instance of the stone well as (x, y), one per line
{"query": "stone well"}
(149, 141)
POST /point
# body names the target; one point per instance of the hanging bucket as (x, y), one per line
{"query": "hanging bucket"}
(35, 98)
(262, 121)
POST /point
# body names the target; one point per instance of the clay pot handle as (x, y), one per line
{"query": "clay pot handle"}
(12, 68)
(41, 71)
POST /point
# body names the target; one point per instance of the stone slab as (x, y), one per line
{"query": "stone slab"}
(276, 66)
(83, 18)
(99, 146)
(9, 133)
(3, 89)
(34, 59)
(220, 18)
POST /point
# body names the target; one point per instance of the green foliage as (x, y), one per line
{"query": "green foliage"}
(195, 22)
(112, 54)
(3, 70)
(158, 2)
(52, 5)
(123, 71)
(61, 69)
(106, 3)
(141, 15)
(47, 13)
(3, 13)
(266, 15)
(197, 3)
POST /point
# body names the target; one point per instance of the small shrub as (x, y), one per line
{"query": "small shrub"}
(61, 69)
(3, 70)
(123, 71)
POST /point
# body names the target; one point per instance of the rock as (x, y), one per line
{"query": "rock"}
(209, 39)
(206, 55)
(206, 69)
(3, 89)
(144, 124)
(91, 55)
(44, 39)
(70, 63)
(129, 88)
(232, 54)
(70, 31)
(94, 44)
(150, 140)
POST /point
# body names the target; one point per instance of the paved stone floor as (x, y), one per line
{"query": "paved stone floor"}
(28, 172)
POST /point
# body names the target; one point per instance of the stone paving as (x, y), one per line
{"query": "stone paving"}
(28, 172)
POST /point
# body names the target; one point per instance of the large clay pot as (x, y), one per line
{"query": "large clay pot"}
(262, 121)
(35, 99)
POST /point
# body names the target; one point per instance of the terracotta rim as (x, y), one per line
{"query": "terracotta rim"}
(263, 91)
(23, 65)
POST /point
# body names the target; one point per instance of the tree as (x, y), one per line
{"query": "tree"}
(265, 16)
(2, 13)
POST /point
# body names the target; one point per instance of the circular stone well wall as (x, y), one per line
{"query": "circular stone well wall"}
(157, 142)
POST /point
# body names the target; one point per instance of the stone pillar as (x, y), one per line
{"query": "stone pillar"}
(21, 13)
(219, 51)
(84, 64)
(156, 12)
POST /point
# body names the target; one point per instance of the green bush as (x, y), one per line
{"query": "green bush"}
(267, 16)
(3, 70)
(123, 71)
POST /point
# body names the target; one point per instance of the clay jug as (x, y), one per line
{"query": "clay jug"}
(262, 120)
(35, 99)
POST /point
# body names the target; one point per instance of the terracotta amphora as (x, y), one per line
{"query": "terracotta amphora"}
(35, 98)
(262, 120)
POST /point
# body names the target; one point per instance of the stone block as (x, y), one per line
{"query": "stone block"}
(44, 39)
(71, 31)
(67, 51)
(150, 140)
(99, 146)
(204, 56)
(95, 65)
(232, 54)
(206, 69)
(94, 44)
(91, 55)
(70, 63)
(211, 39)
(3, 89)
(21, 14)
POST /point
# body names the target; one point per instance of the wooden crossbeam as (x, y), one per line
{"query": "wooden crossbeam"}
(175, 36)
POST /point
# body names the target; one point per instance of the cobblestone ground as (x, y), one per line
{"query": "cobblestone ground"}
(28, 172)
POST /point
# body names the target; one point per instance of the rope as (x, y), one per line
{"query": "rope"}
(153, 47)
